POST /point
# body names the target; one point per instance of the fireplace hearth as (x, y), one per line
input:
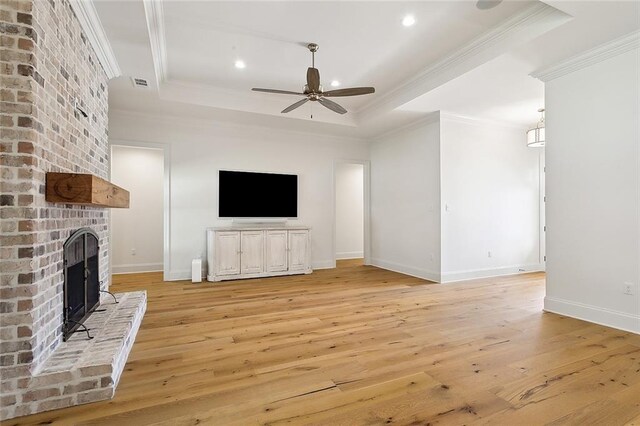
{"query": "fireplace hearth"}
(81, 280)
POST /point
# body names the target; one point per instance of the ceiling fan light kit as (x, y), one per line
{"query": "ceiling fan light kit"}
(313, 90)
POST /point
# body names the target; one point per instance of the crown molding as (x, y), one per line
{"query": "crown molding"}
(590, 57)
(245, 101)
(521, 27)
(177, 120)
(154, 13)
(90, 23)
(440, 116)
(479, 121)
(429, 118)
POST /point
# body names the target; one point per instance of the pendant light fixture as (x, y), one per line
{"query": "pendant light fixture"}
(535, 136)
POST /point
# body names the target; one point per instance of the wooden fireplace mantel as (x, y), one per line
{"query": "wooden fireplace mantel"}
(85, 189)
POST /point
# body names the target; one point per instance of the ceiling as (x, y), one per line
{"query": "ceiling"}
(487, 92)
(360, 45)
(455, 57)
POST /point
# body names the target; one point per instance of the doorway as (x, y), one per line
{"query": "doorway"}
(138, 234)
(351, 213)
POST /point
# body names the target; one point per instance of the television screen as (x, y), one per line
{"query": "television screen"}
(247, 194)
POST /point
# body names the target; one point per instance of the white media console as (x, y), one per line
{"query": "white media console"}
(237, 252)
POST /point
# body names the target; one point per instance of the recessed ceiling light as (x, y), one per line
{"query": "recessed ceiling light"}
(240, 64)
(408, 20)
(335, 83)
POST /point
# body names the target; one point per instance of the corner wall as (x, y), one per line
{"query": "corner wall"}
(593, 192)
(405, 200)
(491, 200)
(449, 190)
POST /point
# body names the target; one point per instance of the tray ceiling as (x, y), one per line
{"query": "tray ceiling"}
(455, 57)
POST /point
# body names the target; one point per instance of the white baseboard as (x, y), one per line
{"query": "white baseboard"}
(349, 255)
(595, 314)
(448, 277)
(323, 264)
(136, 267)
(183, 274)
(407, 270)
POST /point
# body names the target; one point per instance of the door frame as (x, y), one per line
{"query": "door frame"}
(366, 184)
(542, 255)
(166, 194)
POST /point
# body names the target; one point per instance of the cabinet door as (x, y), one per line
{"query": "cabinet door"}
(299, 250)
(227, 253)
(276, 251)
(252, 252)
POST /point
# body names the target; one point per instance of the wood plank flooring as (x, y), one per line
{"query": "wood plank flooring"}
(360, 345)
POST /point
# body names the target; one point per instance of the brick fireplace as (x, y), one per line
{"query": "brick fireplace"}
(46, 64)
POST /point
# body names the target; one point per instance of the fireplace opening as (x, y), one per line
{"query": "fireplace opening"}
(81, 279)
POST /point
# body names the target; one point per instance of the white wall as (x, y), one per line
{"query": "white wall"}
(349, 211)
(490, 200)
(137, 232)
(447, 192)
(199, 148)
(405, 201)
(593, 192)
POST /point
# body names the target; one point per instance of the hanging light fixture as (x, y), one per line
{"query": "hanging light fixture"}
(535, 136)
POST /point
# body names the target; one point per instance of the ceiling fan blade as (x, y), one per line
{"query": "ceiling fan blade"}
(332, 106)
(294, 106)
(313, 79)
(282, 92)
(352, 91)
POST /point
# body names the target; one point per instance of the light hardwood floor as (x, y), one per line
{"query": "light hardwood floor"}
(360, 345)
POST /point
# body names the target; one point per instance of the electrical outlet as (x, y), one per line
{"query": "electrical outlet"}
(133, 252)
(628, 289)
(488, 254)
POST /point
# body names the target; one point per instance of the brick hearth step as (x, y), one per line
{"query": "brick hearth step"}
(83, 370)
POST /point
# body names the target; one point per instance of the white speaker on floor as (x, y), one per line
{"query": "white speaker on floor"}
(196, 270)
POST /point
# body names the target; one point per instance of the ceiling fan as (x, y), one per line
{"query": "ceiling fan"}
(313, 90)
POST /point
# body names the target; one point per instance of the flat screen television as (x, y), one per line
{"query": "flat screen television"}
(257, 195)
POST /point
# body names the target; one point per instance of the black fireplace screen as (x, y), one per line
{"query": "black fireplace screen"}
(81, 279)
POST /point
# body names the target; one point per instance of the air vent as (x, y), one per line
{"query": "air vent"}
(140, 83)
